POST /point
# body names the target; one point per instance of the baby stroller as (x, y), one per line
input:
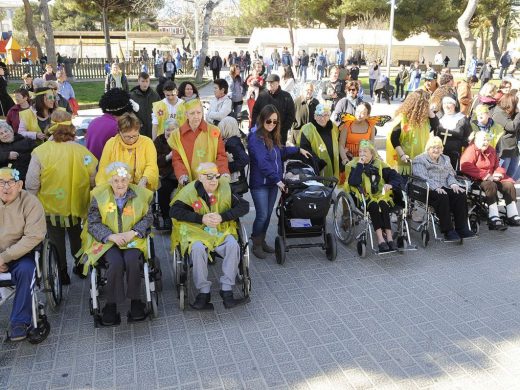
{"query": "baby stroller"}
(302, 210)
(383, 89)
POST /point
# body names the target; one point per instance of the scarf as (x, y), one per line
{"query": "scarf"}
(487, 127)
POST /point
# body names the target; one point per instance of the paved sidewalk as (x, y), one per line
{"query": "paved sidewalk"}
(445, 317)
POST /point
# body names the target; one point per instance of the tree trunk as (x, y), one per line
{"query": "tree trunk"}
(106, 32)
(291, 33)
(465, 31)
(48, 33)
(31, 34)
(487, 43)
(480, 48)
(494, 38)
(208, 13)
(341, 28)
(504, 30)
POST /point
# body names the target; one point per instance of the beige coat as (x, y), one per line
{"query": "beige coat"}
(22, 226)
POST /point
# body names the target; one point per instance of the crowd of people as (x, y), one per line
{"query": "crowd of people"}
(99, 196)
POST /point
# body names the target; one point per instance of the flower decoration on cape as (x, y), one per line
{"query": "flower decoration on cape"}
(87, 159)
(16, 174)
(132, 244)
(406, 128)
(215, 133)
(122, 172)
(322, 148)
(364, 144)
(111, 207)
(128, 211)
(200, 153)
(212, 200)
(59, 194)
(96, 248)
(197, 205)
(160, 113)
(183, 230)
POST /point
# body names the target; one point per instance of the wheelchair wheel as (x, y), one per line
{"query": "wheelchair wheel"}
(343, 219)
(279, 247)
(182, 297)
(425, 238)
(244, 262)
(331, 249)
(39, 334)
(155, 304)
(177, 269)
(51, 275)
(362, 248)
(474, 224)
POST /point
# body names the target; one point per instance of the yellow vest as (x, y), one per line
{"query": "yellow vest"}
(160, 109)
(141, 157)
(365, 183)
(320, 150)
(28, 117)
(205, 148)
(135, 210)
(186, 233)
(65, 180)
(180, 115)
(413, 142)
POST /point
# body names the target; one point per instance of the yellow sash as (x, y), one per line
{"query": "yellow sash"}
(160, 109)
(320, 150)
(31, 122)
(366, 185)
(186, 233)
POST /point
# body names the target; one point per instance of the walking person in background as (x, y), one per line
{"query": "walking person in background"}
(215, 64)
(169, 68)
(505, 62)
(401, 80)
(415, 78)
(116, 79)
(373, 75)
(304, 64)
(145, 96)
(236, 90)
(486, 73)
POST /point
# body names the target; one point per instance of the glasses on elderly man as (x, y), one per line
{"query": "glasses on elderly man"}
(212, 176)
(8, 183)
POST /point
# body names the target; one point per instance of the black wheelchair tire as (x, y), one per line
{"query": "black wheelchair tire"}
(50, 275)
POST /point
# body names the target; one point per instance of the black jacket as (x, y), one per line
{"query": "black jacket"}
(183, 212)
(390, 176)
(145, 100)
(304, 60)
(163, 149)
(110, 83)
(284, 104)
(24, 147)
(235, 147)
(5, 99)
(508, 143)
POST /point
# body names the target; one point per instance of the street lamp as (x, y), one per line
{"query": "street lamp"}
(390, 36)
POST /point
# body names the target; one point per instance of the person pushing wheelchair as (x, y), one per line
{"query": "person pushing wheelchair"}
(205, 215)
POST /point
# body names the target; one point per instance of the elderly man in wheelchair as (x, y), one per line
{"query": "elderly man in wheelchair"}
(204, 218)
(119, 221)
(22, 228)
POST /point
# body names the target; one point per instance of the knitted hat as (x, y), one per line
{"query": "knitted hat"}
(116, 102)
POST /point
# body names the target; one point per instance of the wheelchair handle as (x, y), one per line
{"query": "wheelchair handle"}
(316, 178)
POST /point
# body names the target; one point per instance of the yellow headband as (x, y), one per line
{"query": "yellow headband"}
(205, 171)
(42, 92)
(120, 171)
(9, 174)
(55, 125)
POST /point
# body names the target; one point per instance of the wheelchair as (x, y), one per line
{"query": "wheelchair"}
(152, 276)
(418, 191)
(350, 214)
(182, 271)
(46, 281)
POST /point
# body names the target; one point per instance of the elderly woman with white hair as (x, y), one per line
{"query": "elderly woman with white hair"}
(15, 149)
(480, 162)
(453, 129)
(446, 196)
(236, 153)
(119, 220)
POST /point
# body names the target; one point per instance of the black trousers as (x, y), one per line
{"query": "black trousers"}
(379, 214)
(400, 87)
(119, 262)
(446, 204)
(57, 236)
(216, 74)
(506, 188)
(168, 185)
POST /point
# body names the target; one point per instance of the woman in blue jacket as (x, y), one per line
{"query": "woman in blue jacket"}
(266, 155)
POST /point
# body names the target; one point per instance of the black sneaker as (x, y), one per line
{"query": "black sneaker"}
(109, 316)
(202, 302)
(65, 278)
(137, 310)
(451, 236)
(383, 247)
(465, 233)
(229, 301)
(78, 271)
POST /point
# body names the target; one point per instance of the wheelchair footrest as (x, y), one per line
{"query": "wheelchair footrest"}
(99, 322)
(130, 319)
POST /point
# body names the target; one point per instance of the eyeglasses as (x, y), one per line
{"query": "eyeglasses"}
(271, 122)
(50, 97)
(212, 176)
(352, 90)
(8, 183)
(129, 137)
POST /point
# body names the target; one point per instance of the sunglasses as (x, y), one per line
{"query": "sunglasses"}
(212, 176)
(8, 183)
(269, 122)
(352, 90)
(50, 97)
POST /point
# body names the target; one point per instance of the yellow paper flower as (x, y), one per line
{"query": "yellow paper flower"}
(111, 207)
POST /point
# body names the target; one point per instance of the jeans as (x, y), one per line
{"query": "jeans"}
(510, 164)
(371, 82)
(264, 199)
(303, 72)
(320, 72)
(400, 87)
(503, 72)
(22, 273)
(237, 110)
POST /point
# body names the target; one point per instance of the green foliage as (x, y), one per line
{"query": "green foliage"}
(66, 17)
(19, 19)
(236, 26)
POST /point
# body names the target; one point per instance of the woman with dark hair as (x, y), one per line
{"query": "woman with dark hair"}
(5, 100)
(61, 174)
(266, 172)
(505, 114)
(187, 91)
(287, 79)
(23, 102)
(236, 90)
(35, 121)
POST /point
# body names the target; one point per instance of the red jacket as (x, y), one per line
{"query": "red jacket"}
(13, 117)
(479, 164)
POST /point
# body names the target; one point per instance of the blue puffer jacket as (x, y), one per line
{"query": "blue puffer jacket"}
(266, 166)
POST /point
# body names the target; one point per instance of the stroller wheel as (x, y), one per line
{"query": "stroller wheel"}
(331, 248)
(362, 248)
(279, 247)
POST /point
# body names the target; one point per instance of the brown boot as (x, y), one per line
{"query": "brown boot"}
(257, 247)
(266, 248)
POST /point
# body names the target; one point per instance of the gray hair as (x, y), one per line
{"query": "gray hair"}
(229, 127)
(4, 125)
(115, 165)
